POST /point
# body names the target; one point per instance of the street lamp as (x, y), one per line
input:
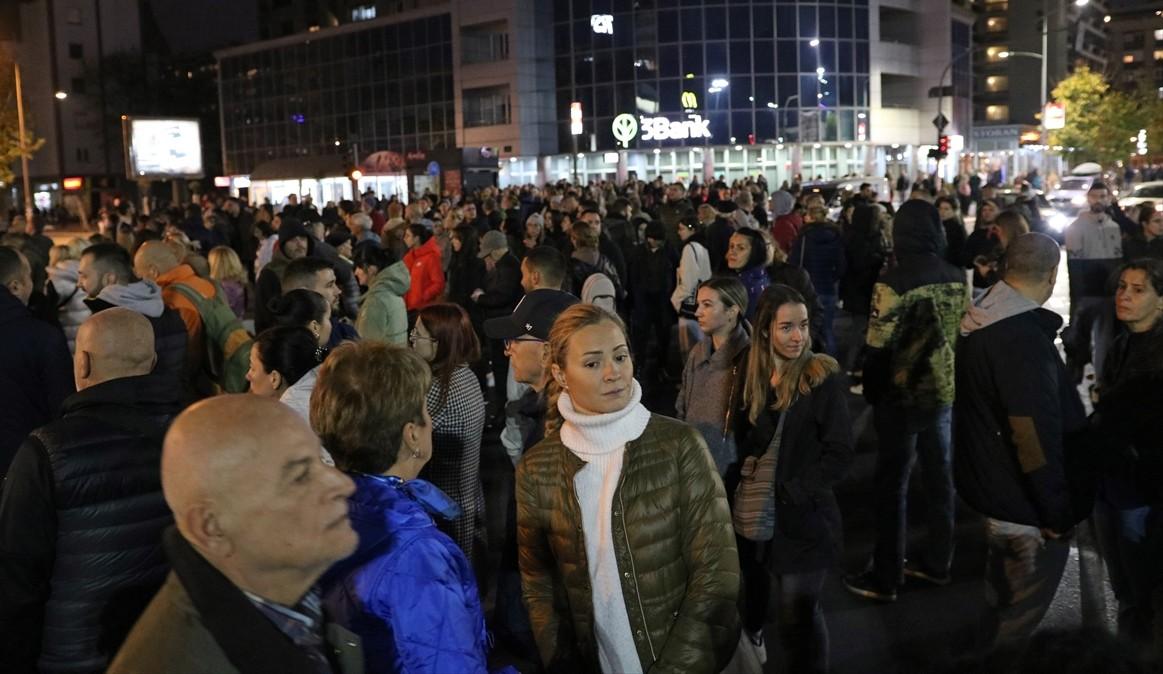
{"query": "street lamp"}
(61, 95)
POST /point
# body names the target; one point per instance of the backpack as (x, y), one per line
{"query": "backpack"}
(227, 341)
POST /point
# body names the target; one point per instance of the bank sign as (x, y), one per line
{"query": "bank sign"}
(626, 127)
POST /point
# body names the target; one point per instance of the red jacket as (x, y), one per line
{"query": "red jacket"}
(785, 229)
(423, 264)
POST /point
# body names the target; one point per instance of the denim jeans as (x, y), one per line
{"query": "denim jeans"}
(793, 600)
(904, 435)
(1022, 572)
(1092, 329)
(828, 309)
(1130, 540)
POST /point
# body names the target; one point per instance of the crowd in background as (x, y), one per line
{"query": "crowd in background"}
(152, 518)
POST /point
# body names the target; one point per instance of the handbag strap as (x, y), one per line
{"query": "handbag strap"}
(695, 291)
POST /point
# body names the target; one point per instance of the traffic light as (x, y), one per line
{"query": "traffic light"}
(942, 149)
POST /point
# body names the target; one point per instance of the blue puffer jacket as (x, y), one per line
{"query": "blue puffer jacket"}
(408, 591)
(756, 281)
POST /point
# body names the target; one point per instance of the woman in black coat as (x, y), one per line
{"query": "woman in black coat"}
(1129, 507)
(786, 379)
(866, 252)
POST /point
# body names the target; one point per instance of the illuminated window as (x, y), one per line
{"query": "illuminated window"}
(1159, 54)
(997, 113)
(993, 54)
(1128, 58)
(995, 24)
(1159, 35)
(997, 83)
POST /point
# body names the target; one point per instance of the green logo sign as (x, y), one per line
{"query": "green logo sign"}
(625, 127)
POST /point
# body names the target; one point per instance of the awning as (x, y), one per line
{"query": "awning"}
(298, 168)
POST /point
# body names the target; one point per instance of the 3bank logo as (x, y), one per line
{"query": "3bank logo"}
(625, 128)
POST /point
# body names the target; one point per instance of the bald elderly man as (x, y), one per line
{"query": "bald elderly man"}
(158, 261)
(82, 512)
(258, 519)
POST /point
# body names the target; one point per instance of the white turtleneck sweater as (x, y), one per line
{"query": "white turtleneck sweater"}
(600, 440)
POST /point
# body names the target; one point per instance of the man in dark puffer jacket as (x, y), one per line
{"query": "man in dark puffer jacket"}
(106, 275)
(82, 512)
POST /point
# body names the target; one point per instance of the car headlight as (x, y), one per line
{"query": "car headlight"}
(1058, 222)
(1078, 200)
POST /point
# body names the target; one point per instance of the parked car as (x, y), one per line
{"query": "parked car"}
(1152, 191)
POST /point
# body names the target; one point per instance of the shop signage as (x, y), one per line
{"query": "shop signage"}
(689, 100)
(575, 118)
(602, 24)
(416, 155)
(626, 127)
(1010, 131)
(1054, 116)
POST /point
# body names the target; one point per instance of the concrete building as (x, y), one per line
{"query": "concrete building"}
(1136, 39)
(1020, 43)
(59, 46)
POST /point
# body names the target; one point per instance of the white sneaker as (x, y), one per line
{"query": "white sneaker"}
(757, 643)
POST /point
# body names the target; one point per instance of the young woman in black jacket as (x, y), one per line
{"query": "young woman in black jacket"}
(785, 378)
(1129, 507)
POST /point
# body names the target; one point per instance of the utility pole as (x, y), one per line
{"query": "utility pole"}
(23, 147)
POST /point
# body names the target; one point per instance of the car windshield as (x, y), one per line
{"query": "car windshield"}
(1148, 191)
(1075, 184)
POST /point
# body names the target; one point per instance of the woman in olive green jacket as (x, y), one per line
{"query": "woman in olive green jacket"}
(382, 314)
(627, 551)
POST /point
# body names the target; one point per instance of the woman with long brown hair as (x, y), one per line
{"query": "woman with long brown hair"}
(793, 407)
(627, 558)
(445, 339)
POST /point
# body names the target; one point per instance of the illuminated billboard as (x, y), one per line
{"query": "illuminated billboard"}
(159, 149)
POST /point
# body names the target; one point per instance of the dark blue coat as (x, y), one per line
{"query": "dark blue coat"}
(36, 374)
(408, 591)
(819, 250)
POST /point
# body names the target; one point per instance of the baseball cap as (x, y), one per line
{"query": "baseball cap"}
(534, 315)
(492, 241)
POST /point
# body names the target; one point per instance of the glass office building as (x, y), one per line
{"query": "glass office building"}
(348, 92)
(762, 84)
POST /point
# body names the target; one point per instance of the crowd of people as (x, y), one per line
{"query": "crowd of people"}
(249, 439)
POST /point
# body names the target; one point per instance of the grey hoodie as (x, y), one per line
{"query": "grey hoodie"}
(782, 203)
(144, 297)
(998, 303)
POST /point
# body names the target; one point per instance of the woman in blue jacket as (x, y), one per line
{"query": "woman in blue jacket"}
(408, 591)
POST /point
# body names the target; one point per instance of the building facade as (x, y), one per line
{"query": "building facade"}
(814, 87)
(1025, 48)
(59, 47)
(1136, 39)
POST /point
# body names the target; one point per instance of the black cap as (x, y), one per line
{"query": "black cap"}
(534, 315)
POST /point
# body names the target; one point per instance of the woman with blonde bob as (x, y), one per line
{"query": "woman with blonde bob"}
(786, 379)
(626, 551)
(408, 591)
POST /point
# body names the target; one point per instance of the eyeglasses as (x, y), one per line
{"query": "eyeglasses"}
(509, 342)
(417, 337)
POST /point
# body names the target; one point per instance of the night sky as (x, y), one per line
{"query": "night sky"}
(206, 24)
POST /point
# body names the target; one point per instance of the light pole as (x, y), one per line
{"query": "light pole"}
(778, 110)
(718, 84)
(23, 146)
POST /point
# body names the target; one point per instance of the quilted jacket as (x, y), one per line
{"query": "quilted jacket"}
(674, 543)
